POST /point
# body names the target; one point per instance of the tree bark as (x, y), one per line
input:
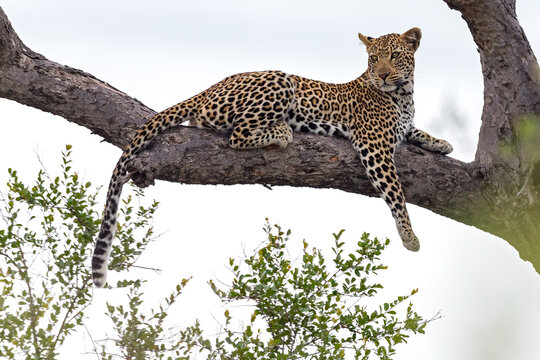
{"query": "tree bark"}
(498, 192)
(508, 152)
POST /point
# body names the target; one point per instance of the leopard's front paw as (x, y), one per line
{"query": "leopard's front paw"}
(442, 147)
(410, 241)
(412, 245)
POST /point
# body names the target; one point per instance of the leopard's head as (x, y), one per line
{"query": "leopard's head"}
(391, 59)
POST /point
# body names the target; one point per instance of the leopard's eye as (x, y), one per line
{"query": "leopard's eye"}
(373, 57)
(395, 54)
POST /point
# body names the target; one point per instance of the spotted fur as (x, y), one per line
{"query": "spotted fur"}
(375, 112)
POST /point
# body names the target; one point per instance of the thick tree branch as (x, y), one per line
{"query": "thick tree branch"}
(511, 76)
(29, 78)
(508, 154)
(460, 191)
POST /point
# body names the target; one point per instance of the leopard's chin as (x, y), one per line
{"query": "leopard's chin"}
(387, 87)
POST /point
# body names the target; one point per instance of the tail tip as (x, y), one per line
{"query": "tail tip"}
(99, 279)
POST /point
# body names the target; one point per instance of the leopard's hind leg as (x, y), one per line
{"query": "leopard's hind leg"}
(245, 136)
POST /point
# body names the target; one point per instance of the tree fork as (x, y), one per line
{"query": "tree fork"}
(498, 192)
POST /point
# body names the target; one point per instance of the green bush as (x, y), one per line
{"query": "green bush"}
(46, 242)
(308, 308)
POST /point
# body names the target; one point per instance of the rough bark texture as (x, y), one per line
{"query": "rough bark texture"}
(508, 153)
(498, 192)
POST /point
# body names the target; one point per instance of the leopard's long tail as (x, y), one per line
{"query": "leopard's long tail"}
(103, 244)
(157, 124)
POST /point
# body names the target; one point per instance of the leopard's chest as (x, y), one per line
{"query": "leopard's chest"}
(405, 110)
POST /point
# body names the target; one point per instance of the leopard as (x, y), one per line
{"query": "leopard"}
(257, 109)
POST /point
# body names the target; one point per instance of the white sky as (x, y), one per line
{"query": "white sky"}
(161, 52)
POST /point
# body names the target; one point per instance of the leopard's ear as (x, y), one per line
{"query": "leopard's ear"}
(412, 37)
(368, 41)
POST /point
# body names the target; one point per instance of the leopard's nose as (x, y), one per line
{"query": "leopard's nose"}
(383, 75)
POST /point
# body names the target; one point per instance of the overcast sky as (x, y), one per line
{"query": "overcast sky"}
(162, 52)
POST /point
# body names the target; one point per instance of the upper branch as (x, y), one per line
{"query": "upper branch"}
(511, 79)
